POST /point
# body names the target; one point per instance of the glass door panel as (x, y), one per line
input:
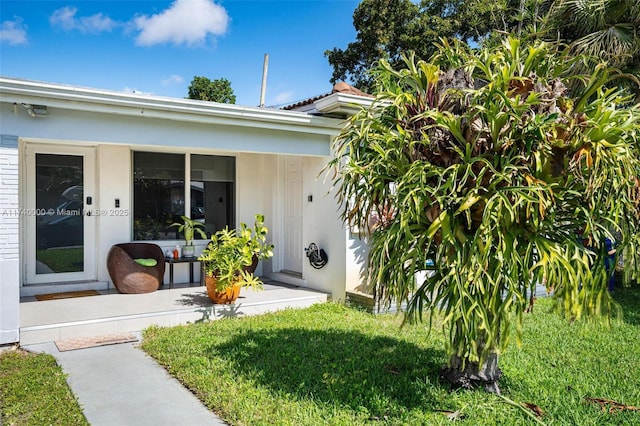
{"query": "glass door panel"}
(60, 230)
(59, 214)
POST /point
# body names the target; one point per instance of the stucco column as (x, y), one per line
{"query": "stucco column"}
(9, 241)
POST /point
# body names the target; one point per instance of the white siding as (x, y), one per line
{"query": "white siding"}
(9, 240)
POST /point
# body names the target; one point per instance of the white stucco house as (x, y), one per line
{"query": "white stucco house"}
(129, 163)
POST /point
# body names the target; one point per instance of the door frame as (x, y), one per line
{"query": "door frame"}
(89, 272)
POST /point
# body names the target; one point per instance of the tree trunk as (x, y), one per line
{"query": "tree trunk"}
(486, 375)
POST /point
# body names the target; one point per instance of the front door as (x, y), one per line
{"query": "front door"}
(292, 252)
(60, 214)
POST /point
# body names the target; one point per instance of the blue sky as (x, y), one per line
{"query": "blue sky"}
(157, 47)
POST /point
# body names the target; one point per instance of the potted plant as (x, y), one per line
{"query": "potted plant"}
(189, 227)
(231, 258)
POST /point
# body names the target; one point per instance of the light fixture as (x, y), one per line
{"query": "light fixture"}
(36, 110)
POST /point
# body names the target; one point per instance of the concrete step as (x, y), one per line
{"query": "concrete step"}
(48, 321)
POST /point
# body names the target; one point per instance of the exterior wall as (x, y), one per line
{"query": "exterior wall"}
(9, 240)
(80, 126)
(258, 191)
(322, 225)
(114, 175)
(253, 190)
(356, 262)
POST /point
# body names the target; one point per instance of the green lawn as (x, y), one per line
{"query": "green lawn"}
(62, 259)
(34, 391)
(330, 364)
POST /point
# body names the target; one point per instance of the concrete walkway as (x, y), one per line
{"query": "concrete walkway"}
(120, 385)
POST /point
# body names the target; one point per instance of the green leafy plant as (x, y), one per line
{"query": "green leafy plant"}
(230, 253)
(189, 227)
(487, 164)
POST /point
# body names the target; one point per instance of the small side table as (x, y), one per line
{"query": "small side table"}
(190, 260)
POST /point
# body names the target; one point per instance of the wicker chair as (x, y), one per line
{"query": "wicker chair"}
(130, 277)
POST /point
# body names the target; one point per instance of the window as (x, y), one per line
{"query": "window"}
(160, 198)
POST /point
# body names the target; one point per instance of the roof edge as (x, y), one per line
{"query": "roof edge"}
(342, 104)
(100, 100)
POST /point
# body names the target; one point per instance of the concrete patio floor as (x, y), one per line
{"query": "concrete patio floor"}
(112, 312)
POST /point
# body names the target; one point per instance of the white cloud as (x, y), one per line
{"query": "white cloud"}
(66, 18)
(283, 98)
(97, 23)
(172, 79)
(187, 22)
(13, 32)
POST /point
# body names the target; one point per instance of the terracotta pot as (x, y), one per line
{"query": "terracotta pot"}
(221, 297)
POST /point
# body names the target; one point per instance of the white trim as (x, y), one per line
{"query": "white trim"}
(186, 211)
(186, 110)
(278, 214)
(342, 103)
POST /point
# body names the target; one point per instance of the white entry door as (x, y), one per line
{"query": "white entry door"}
(292, 253)
(60, 214)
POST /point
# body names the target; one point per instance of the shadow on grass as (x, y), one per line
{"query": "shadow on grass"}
(629, 300)
(340, 367)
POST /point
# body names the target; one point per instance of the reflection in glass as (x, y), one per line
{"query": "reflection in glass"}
(158, 194)
(59, 215)
(212, 191)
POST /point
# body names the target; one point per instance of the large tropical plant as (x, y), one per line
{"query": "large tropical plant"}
(483, 170)
(603, 28)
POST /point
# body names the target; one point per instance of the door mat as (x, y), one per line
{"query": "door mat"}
(95, 341)
(66, 295)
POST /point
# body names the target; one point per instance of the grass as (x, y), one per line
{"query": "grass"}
(62, 259)
(34, 391)
(330, 364)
